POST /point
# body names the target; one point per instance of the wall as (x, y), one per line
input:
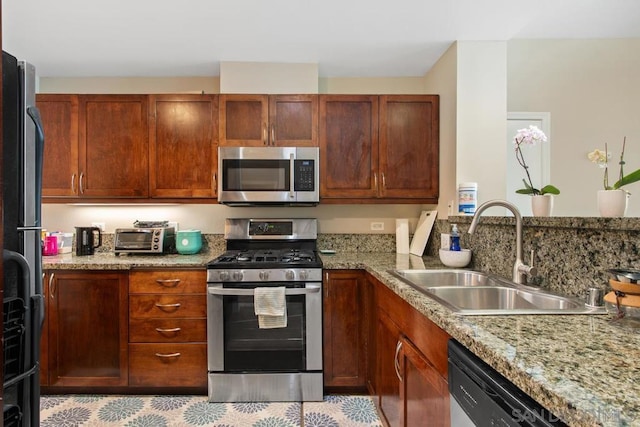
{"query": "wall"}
(349, 219)
(591, 88)
(481, 117)
(442, 79)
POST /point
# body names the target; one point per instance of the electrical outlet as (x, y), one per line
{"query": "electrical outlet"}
(100, 225)
(445, 241)
(377, 226)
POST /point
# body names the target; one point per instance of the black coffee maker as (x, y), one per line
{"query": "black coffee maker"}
(86, 240)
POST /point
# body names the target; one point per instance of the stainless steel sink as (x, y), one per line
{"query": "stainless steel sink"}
(432, 278)
(468, 292)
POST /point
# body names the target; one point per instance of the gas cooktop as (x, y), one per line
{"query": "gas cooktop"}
(267, 258)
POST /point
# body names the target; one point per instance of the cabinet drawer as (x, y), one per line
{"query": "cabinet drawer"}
(167, 306)
(167, 330)
(168, 281)
(168, 365)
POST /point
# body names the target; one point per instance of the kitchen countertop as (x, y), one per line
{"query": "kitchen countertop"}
(582, 368)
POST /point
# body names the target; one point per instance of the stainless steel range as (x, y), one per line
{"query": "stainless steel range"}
(247, 361)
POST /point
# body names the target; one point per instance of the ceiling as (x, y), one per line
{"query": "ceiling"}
(346, 38)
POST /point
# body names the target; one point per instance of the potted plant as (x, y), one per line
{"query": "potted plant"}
(612, 200)
(541, 200)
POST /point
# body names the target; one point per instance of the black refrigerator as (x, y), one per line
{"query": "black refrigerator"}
(23, 303)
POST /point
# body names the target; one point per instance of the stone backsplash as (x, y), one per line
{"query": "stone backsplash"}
(571, 254)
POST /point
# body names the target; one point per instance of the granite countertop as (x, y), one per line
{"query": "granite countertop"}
(109, 261)
(584, 369)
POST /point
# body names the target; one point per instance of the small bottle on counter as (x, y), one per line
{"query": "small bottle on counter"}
(467, 198)
(455, 238)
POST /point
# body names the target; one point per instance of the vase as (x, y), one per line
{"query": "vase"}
(542, 205)
(612, 203)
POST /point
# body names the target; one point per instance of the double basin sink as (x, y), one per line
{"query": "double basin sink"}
(468, 292)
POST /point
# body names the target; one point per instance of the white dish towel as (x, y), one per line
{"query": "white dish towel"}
(270, 306)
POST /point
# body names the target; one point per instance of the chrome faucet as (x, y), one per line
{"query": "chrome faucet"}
(520, 269)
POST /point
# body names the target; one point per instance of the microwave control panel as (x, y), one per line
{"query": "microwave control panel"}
(304, 178)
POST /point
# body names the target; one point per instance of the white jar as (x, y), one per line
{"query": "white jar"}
(467, 198)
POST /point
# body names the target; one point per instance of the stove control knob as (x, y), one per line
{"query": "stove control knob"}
(237, 276)
(224, 276)
(263, 275)
(289, 275)
(304, 274)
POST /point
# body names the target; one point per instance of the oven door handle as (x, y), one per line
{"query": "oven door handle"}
(250, 292)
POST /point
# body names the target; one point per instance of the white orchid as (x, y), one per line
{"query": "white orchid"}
(601, 158)
(530, 136)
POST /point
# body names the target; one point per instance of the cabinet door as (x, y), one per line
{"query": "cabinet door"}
(88, 331)
(60, 167)
(388, 383)
(244, 120)
(345, 336)
(409, 152)
(348, 146)
(293, 120)
(183, 156)
(114, 148)
(423, 392)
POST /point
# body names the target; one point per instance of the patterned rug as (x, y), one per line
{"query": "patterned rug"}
(172, 411)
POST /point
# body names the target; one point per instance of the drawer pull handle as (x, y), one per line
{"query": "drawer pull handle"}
(168, 283)
(169, 307)
(168, 355)
(168, 330)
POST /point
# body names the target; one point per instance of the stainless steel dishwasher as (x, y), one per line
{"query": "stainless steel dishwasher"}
(480, 396)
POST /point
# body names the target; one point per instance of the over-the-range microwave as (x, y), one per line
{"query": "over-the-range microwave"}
(249, 176)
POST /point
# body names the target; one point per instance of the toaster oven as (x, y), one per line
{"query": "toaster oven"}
(145, 240)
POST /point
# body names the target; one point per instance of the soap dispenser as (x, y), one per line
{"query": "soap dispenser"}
(455, 238)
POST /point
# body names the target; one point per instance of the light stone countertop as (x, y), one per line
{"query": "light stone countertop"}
(584, 369)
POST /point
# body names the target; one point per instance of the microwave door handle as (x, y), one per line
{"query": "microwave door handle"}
(310, 289)
(292, 171)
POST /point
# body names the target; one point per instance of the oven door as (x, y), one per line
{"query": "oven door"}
(237, 345)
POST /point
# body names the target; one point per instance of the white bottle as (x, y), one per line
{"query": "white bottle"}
(467, 198)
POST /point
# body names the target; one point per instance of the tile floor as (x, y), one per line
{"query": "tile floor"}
(173, 411)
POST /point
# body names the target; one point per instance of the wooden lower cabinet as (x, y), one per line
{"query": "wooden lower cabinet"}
(87, 329)
(167, 328)
(345, 329)
(411, 388)
(423, 392)
(388, 382)
(168, 365)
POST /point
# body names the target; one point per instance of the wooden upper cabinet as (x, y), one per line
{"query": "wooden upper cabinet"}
(268, 120)
(379, 148)
(60, 166)
(348, 146)
(293, 120)
(113, 146)
(183, 144)
(409, 146)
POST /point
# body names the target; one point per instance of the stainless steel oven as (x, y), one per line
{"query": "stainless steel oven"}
(250, 363)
